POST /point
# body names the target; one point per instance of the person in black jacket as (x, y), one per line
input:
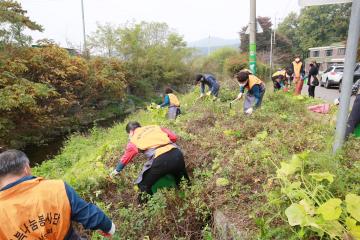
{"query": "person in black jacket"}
(354, 118)
(312, 78)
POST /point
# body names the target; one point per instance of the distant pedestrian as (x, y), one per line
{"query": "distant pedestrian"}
(297, 67)
(313, 81)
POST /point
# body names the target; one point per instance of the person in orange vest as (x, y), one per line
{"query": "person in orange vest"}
(279, 78)
(35, 208)
(297, 67)
(164, 156)
(255, 93)
(172, 102)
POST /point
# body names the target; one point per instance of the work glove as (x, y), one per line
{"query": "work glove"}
(158, 107)
(114, 173)
(249, 111)
(110, 233)
(208, 93)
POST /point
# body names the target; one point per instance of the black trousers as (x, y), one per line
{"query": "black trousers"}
(354, 118)
(311, 91)
(171, 162)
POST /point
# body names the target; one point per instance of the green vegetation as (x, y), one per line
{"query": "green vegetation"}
(55, 92)
(238, 164)
(316, 26)
(153, 54)
(45, 92)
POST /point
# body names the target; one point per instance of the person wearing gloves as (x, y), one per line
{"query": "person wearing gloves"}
(164, 156)
(36, 208)
(172, 102)
(210, 81)
(255, 93)
(297, 67)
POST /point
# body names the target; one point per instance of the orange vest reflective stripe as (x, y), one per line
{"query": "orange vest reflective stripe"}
(35, 209)
(174, 101)
(297, 68)
(149, 137)
(253, 80)
(279, 73)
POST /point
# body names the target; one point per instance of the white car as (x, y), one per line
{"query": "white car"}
(332, 76)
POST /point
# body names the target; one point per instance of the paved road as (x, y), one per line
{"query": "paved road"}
(326, 94)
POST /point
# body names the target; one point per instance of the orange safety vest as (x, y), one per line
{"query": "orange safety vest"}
(35, 209)
(279, 73)
(297, 68)
(253, 80)
(174, 101)
(151, 137)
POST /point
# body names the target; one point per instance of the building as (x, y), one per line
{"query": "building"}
(327, 56)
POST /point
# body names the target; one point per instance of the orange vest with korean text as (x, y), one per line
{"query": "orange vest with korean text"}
(151, 137)
(174, 101)
(35, 209)
(253, 80)
(297, 68)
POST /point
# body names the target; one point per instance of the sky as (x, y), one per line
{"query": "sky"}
(193, 19)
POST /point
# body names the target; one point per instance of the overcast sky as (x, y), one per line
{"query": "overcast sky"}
(194, 19)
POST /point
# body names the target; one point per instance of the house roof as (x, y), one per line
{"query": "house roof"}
(332, 46)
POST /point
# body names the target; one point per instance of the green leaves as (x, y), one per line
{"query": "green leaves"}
(353, 205)
(331, 209)
(352, 227)
(296, 215)
(222, 182)
(289, 168)
(322, 176)
(262, 135)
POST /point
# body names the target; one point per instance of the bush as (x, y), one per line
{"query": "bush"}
(51, 90)
(236, 63)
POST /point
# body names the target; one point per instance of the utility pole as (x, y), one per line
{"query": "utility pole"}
(252, 37)
(209, 46)
(350, 60)
(275, 30)
(271, 53)
(83, 25)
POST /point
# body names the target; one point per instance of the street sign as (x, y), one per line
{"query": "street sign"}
(259, 29)
(305, 3)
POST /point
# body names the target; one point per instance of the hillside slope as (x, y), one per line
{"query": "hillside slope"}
(219, 143)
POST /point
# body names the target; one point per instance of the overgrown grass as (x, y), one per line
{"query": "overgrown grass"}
(218, 142)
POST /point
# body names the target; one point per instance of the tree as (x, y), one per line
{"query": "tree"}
(281, 47)
(288, 28)
(262, 39)
(316, 26)
(104, 40)
(156, 56)
(13, 21)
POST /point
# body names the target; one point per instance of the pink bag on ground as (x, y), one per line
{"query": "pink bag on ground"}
(321, 108)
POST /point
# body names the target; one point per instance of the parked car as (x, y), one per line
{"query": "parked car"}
(356, 75)
(332, 76)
